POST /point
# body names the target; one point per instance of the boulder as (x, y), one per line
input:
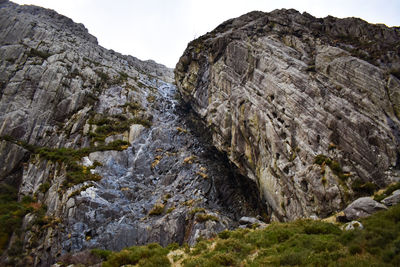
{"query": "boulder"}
(353, 225)
(392, 199)
(362, 207)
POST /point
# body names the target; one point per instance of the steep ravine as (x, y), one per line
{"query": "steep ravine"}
(100, 151)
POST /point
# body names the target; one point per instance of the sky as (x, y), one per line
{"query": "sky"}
(161, 29)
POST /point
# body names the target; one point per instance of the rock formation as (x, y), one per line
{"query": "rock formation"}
(99, 149)
(306, 107)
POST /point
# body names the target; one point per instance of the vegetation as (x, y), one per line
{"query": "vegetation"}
(387, 192)
(305, 242)
(157, 209)
(302, 242)
(116, 124)
(36, 53)
(203, 217)
(11, 213)
(76, 173)
(361, 188)
(334, 165)
(150, 255)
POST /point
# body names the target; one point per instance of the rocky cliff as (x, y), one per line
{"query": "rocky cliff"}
(95, 151)
(306, 107)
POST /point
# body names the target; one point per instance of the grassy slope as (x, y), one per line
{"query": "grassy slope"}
(303, 242)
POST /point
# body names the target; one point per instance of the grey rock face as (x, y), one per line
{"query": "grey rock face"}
(59, 89)
(393, 199)
(302, 106)
(362, 207)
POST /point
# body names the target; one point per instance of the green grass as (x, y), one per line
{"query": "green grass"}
(388, 191)
(150, 255)
(11, 213)
(298, 243)
(307, 243)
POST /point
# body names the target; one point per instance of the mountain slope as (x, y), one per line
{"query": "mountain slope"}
(307, 108)
(95, 150)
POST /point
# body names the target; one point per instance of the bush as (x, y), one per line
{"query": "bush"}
(387, 192)
(11, 214)
(202, 217)
(44, 187)
(157, 209)
(362, 188)
(102, 254)
(150, 255)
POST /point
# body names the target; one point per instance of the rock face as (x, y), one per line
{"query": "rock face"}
(98, 144)
(307, 108)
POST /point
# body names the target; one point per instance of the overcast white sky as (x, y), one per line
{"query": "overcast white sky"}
(161, 29)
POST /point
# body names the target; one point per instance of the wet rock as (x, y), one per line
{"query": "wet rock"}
(134, 132)
(362, 207)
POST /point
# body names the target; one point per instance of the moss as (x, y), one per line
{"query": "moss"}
(123, 76)
(202, 217)
(181, 130)
(44, 187)
(36, 53)
(151, 99)
(388, 191)
(133, 106)
(189, 160)
(311, 68)
(150, 255)
(11, 213)
(77, 192)
(362, 188)
(104, 78)
(171, 209)
(334, 165)
(202, 174)
(76, 173)
(196, 210)
(157, 209)
(102, 254)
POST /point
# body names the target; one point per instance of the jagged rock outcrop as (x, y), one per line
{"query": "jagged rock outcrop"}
(100, 152)
(306, 107)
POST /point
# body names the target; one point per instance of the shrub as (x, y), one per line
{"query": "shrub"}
(103, 254)
(388, 191)
(150, 255)
(44, 187)
(36, 53)
(362, 188)
(157, 209)
(11, 214)
(202, 217)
